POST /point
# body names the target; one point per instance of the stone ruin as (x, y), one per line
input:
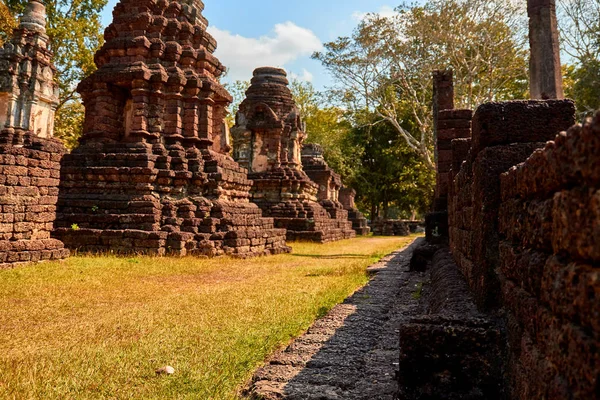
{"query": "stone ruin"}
(514, 307)
(267, 138)
(152, 172)
(359, 222)
(28, 92)
(391, 227)
(329, 183)
(451, 127)
(29, 155)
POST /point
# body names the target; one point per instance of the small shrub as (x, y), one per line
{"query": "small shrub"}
(418, 292)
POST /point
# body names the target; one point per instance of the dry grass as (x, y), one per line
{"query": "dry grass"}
(98, 327)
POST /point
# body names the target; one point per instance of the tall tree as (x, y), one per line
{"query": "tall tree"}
(389, 173)
(328, 126)
(580, 33)
(7, 22)
(385, 67)
(75, 31)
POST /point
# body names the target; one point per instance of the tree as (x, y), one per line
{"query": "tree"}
(7, 22)
(389, 173)
(580, 28)
(385, 67)
(328, 126)
(75, 31)
(580, 32)
(237, 90)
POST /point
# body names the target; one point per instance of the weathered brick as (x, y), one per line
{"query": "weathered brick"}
(520, 122)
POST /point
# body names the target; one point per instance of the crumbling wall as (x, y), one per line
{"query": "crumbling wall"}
(329, 185)
(29, 156)
(504, 134)
(524, 226)
(390, 227)
(453, 351)
(30, 171)
(549, 224)
(449, 125)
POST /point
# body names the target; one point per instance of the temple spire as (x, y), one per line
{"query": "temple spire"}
(34, 17)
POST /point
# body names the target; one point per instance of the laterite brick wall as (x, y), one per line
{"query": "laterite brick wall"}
(30, 172)
(549, 222)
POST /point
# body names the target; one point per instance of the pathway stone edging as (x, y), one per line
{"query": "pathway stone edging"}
(352, 352)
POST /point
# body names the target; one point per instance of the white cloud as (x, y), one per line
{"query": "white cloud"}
(384, 11)
(241, 55)
(306, 76)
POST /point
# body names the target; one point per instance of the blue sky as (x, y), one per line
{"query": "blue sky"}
(254, 33)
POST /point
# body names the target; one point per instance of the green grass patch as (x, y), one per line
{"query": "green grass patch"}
(97, 327)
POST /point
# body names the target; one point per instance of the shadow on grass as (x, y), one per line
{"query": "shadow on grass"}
(334, 256)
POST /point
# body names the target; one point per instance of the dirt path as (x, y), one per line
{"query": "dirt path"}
(352, 352)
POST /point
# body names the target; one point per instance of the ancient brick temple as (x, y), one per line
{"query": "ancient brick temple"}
(152, 172)
(28, 92)
(29, 156)
(268, 138)
(329, 183)
(359, 222)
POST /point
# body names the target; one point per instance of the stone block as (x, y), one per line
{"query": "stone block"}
(496, 124)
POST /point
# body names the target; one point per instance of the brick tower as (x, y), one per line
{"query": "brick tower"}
(29, 155)
(152, 172)
(268, 138)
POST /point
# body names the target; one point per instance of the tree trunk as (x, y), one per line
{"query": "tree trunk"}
(373, 210)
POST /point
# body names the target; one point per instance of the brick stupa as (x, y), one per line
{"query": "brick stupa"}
(29, 155)
(152, 173)
(268, 138)
(329, 183)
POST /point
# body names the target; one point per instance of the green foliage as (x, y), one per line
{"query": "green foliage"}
(418, 293)
(237, 90)
(68, 123)
(580, 31)
(385, 67)
(327, 126)
(582, 84)
(7, 22)
(389, 174)
(75, 31)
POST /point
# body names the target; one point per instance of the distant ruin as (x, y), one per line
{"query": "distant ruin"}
(359, 222)
(152, 172)
(29, 155)
(330, 184)
(268, 138)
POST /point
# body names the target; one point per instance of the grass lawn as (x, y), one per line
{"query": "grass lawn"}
(98, 327)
